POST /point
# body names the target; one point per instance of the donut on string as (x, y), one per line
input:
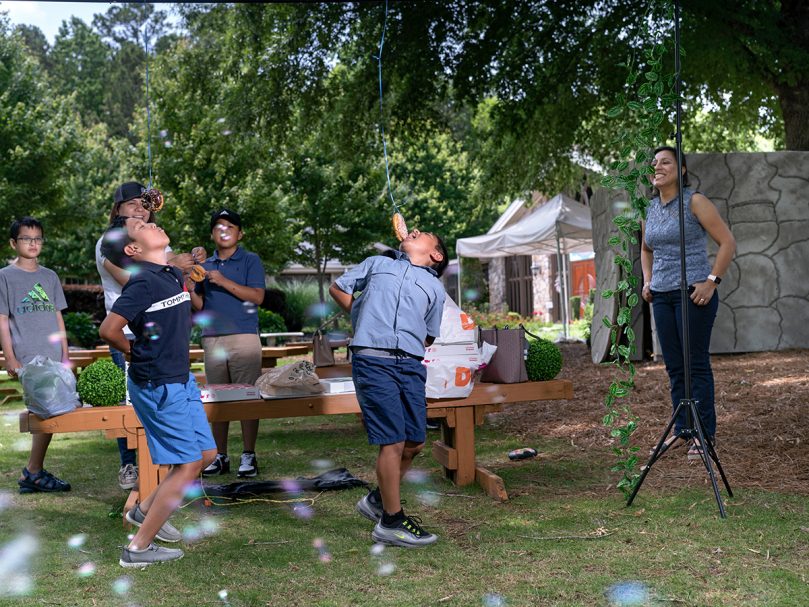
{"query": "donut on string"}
(152, 200)
(399, 226)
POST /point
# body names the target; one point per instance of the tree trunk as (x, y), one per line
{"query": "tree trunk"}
(794, 102)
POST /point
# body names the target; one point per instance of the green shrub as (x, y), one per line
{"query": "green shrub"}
(575, 307)
(81, 330)
(301, 298)
(544, 360)
(102, 384)
(270, 322)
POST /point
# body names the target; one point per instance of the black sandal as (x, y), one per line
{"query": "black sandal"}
(42, 481)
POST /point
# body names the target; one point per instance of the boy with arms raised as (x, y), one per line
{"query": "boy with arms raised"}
(396, 315)
(31, 300)
(157, 307)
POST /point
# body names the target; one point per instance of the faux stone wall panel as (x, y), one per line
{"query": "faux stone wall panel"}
(764, 296)
(757, 329)
(793, 315)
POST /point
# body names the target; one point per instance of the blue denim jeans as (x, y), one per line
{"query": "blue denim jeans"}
(128, 456)
(667, 309)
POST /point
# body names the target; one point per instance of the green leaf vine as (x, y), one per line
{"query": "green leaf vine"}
(646, 108)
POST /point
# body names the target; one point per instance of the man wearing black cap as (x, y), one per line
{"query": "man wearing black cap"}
(232, 290)
(128, 202)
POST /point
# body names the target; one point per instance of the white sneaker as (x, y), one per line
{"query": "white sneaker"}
(128, 476)
(248, 465)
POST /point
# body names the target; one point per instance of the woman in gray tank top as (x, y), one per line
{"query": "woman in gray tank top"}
(660, 259)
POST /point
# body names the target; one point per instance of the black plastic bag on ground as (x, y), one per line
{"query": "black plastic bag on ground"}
(332, 480)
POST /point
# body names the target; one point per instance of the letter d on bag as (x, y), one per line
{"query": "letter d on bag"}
(463, 375)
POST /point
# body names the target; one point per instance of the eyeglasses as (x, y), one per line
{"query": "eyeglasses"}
(30, 239)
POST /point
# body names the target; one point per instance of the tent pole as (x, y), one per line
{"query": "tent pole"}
(459, 282)
(560, 262)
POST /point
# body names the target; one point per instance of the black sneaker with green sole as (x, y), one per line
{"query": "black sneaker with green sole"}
(407, 533)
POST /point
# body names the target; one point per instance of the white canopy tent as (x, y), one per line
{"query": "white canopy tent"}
(561, 225)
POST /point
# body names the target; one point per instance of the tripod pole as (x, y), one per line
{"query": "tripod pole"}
(694, 429)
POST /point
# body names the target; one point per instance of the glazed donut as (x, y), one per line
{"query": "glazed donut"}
(399, 226)
(197, 273)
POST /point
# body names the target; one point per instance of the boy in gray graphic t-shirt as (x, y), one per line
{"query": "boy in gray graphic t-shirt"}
(31, 300)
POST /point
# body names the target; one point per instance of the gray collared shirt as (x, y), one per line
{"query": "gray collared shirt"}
(399, 304)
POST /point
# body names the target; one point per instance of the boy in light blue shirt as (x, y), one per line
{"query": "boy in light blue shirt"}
(396, 314)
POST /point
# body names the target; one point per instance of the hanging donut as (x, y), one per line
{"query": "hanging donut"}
(197, 273)
(152, 200)
(399, 226)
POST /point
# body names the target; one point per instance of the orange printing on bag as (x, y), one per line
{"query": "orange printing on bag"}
(463, 375)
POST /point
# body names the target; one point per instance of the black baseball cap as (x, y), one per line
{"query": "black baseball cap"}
(128, 191)
(228, 215)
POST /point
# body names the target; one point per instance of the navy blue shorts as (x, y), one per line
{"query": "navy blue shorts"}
(174, 420)
(391, 395)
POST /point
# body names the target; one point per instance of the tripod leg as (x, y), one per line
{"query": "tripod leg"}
(660, 449)
(706, 459)
(715, 458)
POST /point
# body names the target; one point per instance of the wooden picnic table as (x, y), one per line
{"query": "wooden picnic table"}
(269, 354)
(455, 451)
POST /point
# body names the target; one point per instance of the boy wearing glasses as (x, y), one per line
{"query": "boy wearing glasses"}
(31, 301)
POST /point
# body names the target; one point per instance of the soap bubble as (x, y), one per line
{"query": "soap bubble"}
(207, 527)
(384, 565)
(323, 554)
(416, 476)
(385, 569)
(219, 354)
(303, 511)
(21, 444)
(164, 133)
(15, 564)
(220, 120)
(77, 541)
(167, 144)
(627, 594)
(203, 319)
(428, 498)
(193, 490)
(471, 295)
(249, 307)
(151, 330)
(492, 599)
(322, 464)
(223, 596)
(86, 570)
(56, 337)
(227, 132)
(6, 500)
(290, 485)
(122, 585)
(619, 207)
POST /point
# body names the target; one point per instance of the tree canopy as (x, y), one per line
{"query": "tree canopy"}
(274, 110)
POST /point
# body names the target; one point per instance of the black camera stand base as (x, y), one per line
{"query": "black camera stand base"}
(707, 453)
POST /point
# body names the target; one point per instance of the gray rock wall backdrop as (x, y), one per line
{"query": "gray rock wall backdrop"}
(764, 296)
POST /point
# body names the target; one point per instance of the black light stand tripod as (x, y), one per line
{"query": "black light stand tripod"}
(694, 428)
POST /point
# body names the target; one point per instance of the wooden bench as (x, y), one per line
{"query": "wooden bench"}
(455, 451)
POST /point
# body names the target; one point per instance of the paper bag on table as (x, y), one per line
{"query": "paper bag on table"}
(294, 379)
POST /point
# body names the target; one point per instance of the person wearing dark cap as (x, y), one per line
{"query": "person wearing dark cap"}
(230, 293)
(128, 202)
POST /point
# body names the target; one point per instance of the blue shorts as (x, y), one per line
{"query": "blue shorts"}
(175, 423)
(391, 395)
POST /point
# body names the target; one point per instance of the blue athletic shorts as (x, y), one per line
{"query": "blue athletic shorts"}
(175, 423)
(391, 395)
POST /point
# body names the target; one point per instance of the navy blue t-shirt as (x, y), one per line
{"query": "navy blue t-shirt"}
(229, 314)
(157, 307)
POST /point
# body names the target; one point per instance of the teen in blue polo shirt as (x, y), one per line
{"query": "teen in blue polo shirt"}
(157, 307)
(230, 294)
(396, 314)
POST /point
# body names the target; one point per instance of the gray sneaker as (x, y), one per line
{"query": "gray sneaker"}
(138, 559)
(128, 476)
(407, 534)
(167, 533)
(370, 506)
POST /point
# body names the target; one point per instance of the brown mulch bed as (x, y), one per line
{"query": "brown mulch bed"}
(762, 405)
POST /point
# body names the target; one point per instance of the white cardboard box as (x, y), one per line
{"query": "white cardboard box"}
(466, 349)
(337, 385)
(215, 393)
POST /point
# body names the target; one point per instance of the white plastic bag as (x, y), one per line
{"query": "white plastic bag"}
(453, 376)
(49, 387)
(457, 327)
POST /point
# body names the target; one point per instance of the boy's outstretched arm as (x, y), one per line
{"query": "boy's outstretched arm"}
(112, 332)
(343, 299)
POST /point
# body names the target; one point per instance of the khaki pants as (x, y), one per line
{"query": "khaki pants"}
(232, 359)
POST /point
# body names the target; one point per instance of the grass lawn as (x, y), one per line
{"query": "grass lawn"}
(564, 539)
